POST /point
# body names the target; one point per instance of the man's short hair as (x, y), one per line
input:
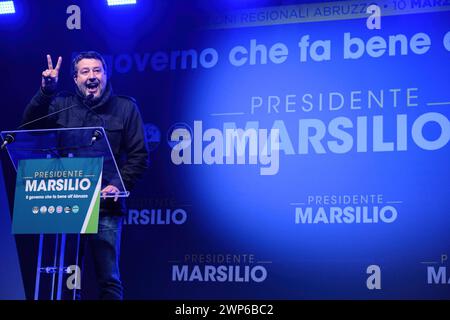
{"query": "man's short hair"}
(87, 55)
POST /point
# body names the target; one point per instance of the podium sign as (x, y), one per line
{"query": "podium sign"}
(60, 173)
(57, 195)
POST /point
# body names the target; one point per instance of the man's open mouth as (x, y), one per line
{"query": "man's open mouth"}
(92, 87)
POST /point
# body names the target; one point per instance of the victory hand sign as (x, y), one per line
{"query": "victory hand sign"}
(50, 76)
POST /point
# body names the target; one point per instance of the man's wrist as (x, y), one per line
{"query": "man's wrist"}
(48, 91)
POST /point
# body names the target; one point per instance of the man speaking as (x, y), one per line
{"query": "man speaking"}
(93, 105)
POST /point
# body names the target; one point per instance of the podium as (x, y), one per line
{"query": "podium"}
(57, 166)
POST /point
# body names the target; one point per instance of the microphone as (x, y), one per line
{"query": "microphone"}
(87, 102)
(97, 133)
(8, 139)
(46, 116)
(96, 136)
(88, 99)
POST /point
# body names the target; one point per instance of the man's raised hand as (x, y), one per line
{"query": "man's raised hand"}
(50, 76)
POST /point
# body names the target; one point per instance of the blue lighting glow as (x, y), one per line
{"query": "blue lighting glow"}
(7, 7)
(120, 2)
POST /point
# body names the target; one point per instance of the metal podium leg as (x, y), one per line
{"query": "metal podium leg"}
(38, 267)
(57, 269)
(61, 265)
(54, 266)
(77, 264)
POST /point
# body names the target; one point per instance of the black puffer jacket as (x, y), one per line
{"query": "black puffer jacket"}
(121, 120)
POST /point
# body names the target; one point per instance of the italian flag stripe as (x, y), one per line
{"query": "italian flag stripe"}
(90, 224)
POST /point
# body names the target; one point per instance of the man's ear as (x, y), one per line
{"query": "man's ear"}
(75, 79)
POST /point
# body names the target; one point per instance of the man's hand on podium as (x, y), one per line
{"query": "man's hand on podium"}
(110, 189)
(50, 76)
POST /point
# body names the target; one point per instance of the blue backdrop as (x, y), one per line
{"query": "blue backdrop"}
(295, 152)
